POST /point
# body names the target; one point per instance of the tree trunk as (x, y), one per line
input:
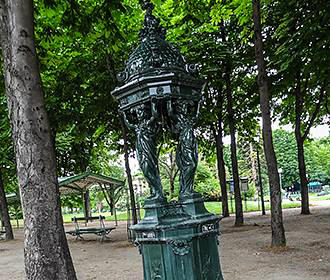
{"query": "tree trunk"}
(112, 206)
(221, 169)
(303, 178)
(239, 220)
(46, 251)
(87, 205)
(300, 146)
(128, 173)
(109, 199)
(278, 233)
(173, 173)
(253, 165)
(260, 185)
(5, 219)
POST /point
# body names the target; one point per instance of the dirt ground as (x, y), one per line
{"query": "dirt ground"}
(245, 251)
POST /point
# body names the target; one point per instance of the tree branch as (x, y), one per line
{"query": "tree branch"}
(165, 165)
(105, 194)
(298, 105)
(316, 111)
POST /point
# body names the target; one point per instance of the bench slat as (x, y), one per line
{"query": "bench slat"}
(91, 218)
(101, 231)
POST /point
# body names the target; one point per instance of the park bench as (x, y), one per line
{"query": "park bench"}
(101, 231)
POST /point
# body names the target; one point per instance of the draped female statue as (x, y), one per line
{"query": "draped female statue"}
(146, 130)
(186, 153)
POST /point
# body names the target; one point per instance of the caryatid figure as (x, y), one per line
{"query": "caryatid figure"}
(146, 130)
(187, 152)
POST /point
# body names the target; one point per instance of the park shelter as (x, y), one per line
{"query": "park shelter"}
(83, 182)
(315, 186)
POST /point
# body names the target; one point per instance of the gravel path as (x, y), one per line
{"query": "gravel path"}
(245, 251)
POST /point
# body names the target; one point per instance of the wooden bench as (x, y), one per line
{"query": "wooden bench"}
(101, 231)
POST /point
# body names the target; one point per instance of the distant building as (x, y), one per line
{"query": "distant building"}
(140, 185)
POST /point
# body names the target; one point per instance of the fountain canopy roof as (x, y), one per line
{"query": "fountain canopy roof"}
(154, 55)
(155, 60)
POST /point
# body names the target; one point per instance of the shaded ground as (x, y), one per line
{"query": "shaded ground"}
(245, 253)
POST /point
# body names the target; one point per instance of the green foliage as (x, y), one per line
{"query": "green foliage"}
(318, 159)
(81, 47)
(206, 181)
(83, 44)
(74, 200)
(301, 60)
(7, 155)
(286, 153)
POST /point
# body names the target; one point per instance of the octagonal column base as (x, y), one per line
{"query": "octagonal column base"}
(181, 243)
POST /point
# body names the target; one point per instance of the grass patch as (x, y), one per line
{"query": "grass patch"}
(213, 207)
(248, 206)
(319, 198)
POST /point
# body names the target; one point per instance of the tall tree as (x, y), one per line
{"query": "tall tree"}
(169, 169)
(112, 195)
(301, 136)
(7, 164)
(46, 251)
(263, 210)
(318, 159)
(239, 220)
(278, 233)
(128, 173)
(286, 154)
(218, 133)
(302, 58)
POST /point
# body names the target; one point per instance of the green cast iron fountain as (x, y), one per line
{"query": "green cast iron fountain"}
(177, 240)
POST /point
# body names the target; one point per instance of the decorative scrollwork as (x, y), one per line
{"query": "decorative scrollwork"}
(207, 269)
(192, 68)
(172, 210)
(122, 76)
(180, 247)
(156, 270)
(208, 227)
(138, 244)
(150, 234)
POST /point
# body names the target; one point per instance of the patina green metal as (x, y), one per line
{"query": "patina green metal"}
(177, 240)
(146, 130)
(156, 69)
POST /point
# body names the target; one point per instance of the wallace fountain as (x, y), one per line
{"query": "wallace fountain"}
(178, 240)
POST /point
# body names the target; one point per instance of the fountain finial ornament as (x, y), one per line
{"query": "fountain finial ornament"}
(151, 27)
(148, 5)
